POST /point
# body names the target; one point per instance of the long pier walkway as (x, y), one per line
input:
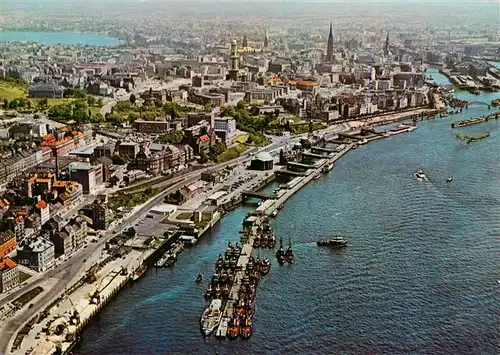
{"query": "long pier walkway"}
(247, 247)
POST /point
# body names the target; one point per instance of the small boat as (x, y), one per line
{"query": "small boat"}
(220, 262)
(139, 272)
(335, 241)
(274, 213)
(327, 168)
(211, 317)
(289, 257)
(280, 254)
(199, 278)
(317, 176)
(419, 174)
(450, 179)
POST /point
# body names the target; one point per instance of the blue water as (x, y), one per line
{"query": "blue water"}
(420, 275)
(54, 38)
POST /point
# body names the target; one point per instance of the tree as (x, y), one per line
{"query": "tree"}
(241, 105)
(172, 137)
(207, 107)
(277, 113)
(100, 102)
(118, 160)
(114, 180)
(98, 117)
(132, 99)
(5, 103)
(130, 232)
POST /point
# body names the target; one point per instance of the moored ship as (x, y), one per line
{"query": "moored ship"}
(211, 317)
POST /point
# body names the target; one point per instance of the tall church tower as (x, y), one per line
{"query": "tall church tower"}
(329, 47)
(386, 45)
(245, 42)
(233, 60)
(266, 38)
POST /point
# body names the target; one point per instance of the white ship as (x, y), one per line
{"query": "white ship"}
(211, 317)
(419, 174)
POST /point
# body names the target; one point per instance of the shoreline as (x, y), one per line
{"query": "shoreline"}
(281, 200)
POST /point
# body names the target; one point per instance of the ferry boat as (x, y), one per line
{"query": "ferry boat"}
(211, 317)
(419, 174)
(327, 168)
(336, 242)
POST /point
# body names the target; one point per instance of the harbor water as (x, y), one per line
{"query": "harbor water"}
(420, 274)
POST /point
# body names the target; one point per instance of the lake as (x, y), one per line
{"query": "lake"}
(54, 38)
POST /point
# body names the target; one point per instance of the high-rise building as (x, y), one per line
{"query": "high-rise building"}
(329, 47)
(245, 42)
(234, 69)
(266, 38)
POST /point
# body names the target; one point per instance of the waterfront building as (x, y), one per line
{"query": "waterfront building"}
(63, 243)
(99, 215)
(38, 254)
(9, 274)
(263, 161)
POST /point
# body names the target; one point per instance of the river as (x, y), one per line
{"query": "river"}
(55, 38)
(420, 274)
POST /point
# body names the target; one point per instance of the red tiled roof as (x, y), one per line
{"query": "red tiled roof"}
(7, 263)
(41, 204)
(204, 138)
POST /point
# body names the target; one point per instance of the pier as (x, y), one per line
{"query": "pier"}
(258, 218)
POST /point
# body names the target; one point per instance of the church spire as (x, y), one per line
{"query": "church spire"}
(329, 47)
(386, 45)
(266, 38)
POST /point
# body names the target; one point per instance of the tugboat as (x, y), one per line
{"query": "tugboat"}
(419, 174)
(199, 278)
(264, 241)
(335, 241)
(271, 241)
(233, 328)
(280, 254)
(211, 317)
(289, 257)
(246, 329)
(256, 241)
(209, 292)
(265, 266)
(220, 262)
(450, 179)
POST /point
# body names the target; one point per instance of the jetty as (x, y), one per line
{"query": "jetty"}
(259, 217)
(474, 120)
